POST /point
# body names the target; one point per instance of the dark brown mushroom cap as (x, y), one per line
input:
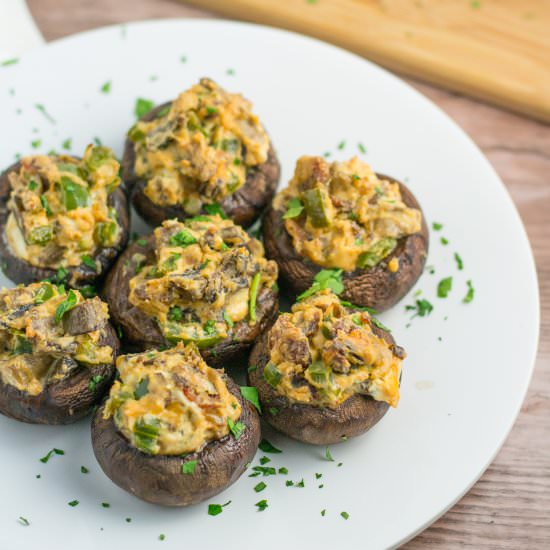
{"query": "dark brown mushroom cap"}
(141, 332)
(22, 272)
(159, 479)
(243, 207)
(308, 423)
(64, 401)
(375, 287)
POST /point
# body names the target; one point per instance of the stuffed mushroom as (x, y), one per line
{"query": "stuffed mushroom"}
(62, 218)
(343, 216)
(326, 371)
(57, 353)
(203, 281)
(173, 430)
(200, 153)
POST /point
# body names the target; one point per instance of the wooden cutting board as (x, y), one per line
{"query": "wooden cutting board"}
(495, 50)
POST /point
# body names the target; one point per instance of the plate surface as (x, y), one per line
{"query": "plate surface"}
(462, 386)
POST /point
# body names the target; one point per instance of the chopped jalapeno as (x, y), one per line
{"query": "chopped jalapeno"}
(73, 194)
(272, 375)
(45, 292)
(376, 253)
(40, 235)
(317, 209)
(319, 373)
(106, 233)
(145, 434)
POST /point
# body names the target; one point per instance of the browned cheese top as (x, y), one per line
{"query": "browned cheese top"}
(200, 149)
(322, 353)
(342, 215)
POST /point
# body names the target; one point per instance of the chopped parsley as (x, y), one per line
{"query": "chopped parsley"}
(289, 483)
(328, 456)
(45, 459)
(326, 278)
(73, 503)
(459, 262)
(361, 148)
(470, 294)
(94, 381)
(189, 467)
(323, 512)
(8, 62)
(162, 536)
(230, 72)
(250, 393)
(215, 509)
(283, 471)
(260, 487)
(294, 209)
(236, 428)
(65, 306)
(345, 515)
(215, 208)
(444, 287)
(262, 505)
(182, 238)
(36, 143)
(267, 447)
(67, 144)
(84, 470)
(39, 107)
(318, 476)
(105, 505)
(106, 88)
(264, 460)
(342, 145)
(264, 470)
(142, 107)
(437, 226)
(444, 241)
(422, 308)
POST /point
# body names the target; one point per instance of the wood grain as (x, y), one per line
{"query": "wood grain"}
(509, 508)
(496, 50)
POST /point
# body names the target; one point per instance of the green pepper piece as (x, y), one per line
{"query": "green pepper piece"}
(175, 333)
(319, 373)
(316, 205)
(44, 293)
(98, 156)
(272, 375)
(106, 233)
(145, 434)
(377, 252)
(22, 345)
(40, 235)
(73, 194)
(253, 296)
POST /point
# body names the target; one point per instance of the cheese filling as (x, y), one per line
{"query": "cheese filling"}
(200, 150)
(42, 341)
(206, 276)
(170, 402)
(58, 208)
(342, 215)
(322, 354)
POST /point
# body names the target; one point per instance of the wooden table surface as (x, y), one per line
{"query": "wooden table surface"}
(509, 507)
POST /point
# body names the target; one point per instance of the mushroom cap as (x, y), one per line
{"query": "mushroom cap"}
(22, 272)
(243, 207)
(159, 478)
(142, 332)
(376, 287)
(309, 423)
(62, 401)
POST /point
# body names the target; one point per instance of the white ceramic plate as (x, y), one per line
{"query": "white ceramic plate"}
(469, 364)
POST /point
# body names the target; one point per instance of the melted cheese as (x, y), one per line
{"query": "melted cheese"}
(201, 149)
(34, 348)
(356, 213)
(47, 226)
(322, 354)
(170, 402)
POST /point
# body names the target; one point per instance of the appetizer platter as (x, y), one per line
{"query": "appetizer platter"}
(234, 299)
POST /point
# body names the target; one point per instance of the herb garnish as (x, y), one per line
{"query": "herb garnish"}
(437, 226)
(84, 470)
(182, 238)
(105, 505)
(143, 106)
(45, 459)
(342, 144)
(260, 487)
(444, 287)
(35, 144)
(262, 505)
(421, 307)
(264, 470)
(361, 148)
(8, 62)
(264, 460)
(39, 107)
(106, 88)
(323, 512)
(444, 241)
(328, 456)
(326, 278)
(24, 521)
(250, 393)
(215, 509)
(65, 306)
(283, 471)
(67, 144)
(89, 261)
(162, 536)
(73, 503)
(215, 208)
(459, 262)
(345, 515)
(189, 467)
(294, 209)
(267, 447)
(470, 294)
(94, 381)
